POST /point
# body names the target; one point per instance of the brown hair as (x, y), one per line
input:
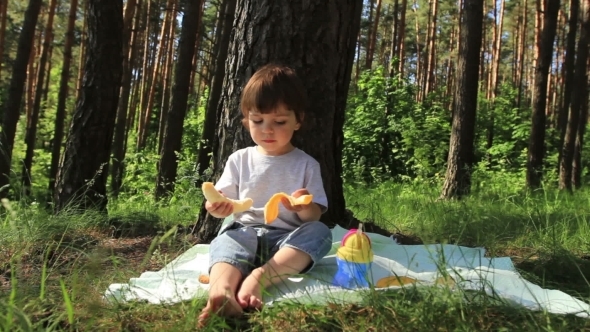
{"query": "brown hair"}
(270, 86)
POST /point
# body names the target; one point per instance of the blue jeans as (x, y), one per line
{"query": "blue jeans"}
(247, 247)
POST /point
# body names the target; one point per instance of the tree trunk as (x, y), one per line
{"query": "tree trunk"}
(12, 106)
(81, 178)
(568, 65)
(578, 114)
(209, 123)
(3, 11)
(461, 154)
(82, 51)
(521, 53)
(62, 95)
(146, 115)
(401, 37)
(373, 36)
(293, 31)
(429, 79)
(168, 164)
(31, 129)
(577, 165)
(167, 77)
(130, 33)
(537, 138)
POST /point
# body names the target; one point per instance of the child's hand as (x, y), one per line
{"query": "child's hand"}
(219, 210)
(296, 208)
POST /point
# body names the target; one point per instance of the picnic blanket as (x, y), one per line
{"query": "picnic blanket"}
(468, 268)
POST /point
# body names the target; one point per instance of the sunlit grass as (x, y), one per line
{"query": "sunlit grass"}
(55, 269)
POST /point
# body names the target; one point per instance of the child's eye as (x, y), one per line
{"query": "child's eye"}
(280, 123)
(257, 121)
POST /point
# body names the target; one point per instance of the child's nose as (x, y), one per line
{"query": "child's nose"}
(267, 128)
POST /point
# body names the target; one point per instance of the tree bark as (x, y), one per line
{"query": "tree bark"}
(209, 123)
(461, 155)
(62, 95)
(568, 65)
(536, 149)
(81, 179)
(31, 129)
(3, 11)
(572, 149)
(317, 38)
(129, 51)
(12, 106)
(168, 164)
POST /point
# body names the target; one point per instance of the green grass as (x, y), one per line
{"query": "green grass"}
(54, 269)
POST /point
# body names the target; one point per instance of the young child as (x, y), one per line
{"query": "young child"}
(248, 255)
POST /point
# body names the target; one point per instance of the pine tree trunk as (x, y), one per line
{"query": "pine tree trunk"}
(31, 129)
(82, 175)
(568, 65)
(12, 106)
(133, 8)
(373, 36)
(521, 53)
(461, 154)
(3, 15)
(82, 51)
(172, 143)
(429, 80)
(294, 29)
(62, 95)
(401, 36)
(167, 77)
(146, 115)
(210, 122)
(537, 138)
(578, 115)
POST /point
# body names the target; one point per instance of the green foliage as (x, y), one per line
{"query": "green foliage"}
(388, 135)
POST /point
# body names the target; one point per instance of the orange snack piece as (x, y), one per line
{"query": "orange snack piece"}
(271, 208)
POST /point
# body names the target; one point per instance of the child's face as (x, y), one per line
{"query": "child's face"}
(272, 132)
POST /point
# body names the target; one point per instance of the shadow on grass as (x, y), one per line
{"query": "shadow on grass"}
(560, 270)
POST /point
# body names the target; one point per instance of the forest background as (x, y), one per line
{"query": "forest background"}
(114, 113)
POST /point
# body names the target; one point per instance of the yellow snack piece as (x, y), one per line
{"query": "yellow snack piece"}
(394, 281)
(213, 196)
(271, 208)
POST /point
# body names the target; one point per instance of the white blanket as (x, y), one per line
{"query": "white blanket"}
(178, 280)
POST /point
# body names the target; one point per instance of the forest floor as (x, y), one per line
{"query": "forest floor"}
(55, 269)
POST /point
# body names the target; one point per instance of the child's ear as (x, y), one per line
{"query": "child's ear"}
(298, 125)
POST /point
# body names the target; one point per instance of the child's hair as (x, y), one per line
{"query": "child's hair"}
(270, 86)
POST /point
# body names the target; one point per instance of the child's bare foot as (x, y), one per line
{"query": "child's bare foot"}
(250, 294)
(222, 303)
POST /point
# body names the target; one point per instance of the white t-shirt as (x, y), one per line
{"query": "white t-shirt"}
(248, 173)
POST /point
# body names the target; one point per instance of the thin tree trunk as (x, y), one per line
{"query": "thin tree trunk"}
(577, 164)
(418, 55)
(166, 78)
(133, 8)
(461, 153)
(430, 79)
(168, 164)
(3, 15)
(521, 53)
(536, 149)
(401, 36)
(12, 106)
(568, 65)
(146, 117)
(373, 36)
(82, 55)
(62, 95)
(148, 63)
(31, 130)
(209, 123)
(578, 115)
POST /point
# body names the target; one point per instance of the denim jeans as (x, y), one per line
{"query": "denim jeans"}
(247, 247)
